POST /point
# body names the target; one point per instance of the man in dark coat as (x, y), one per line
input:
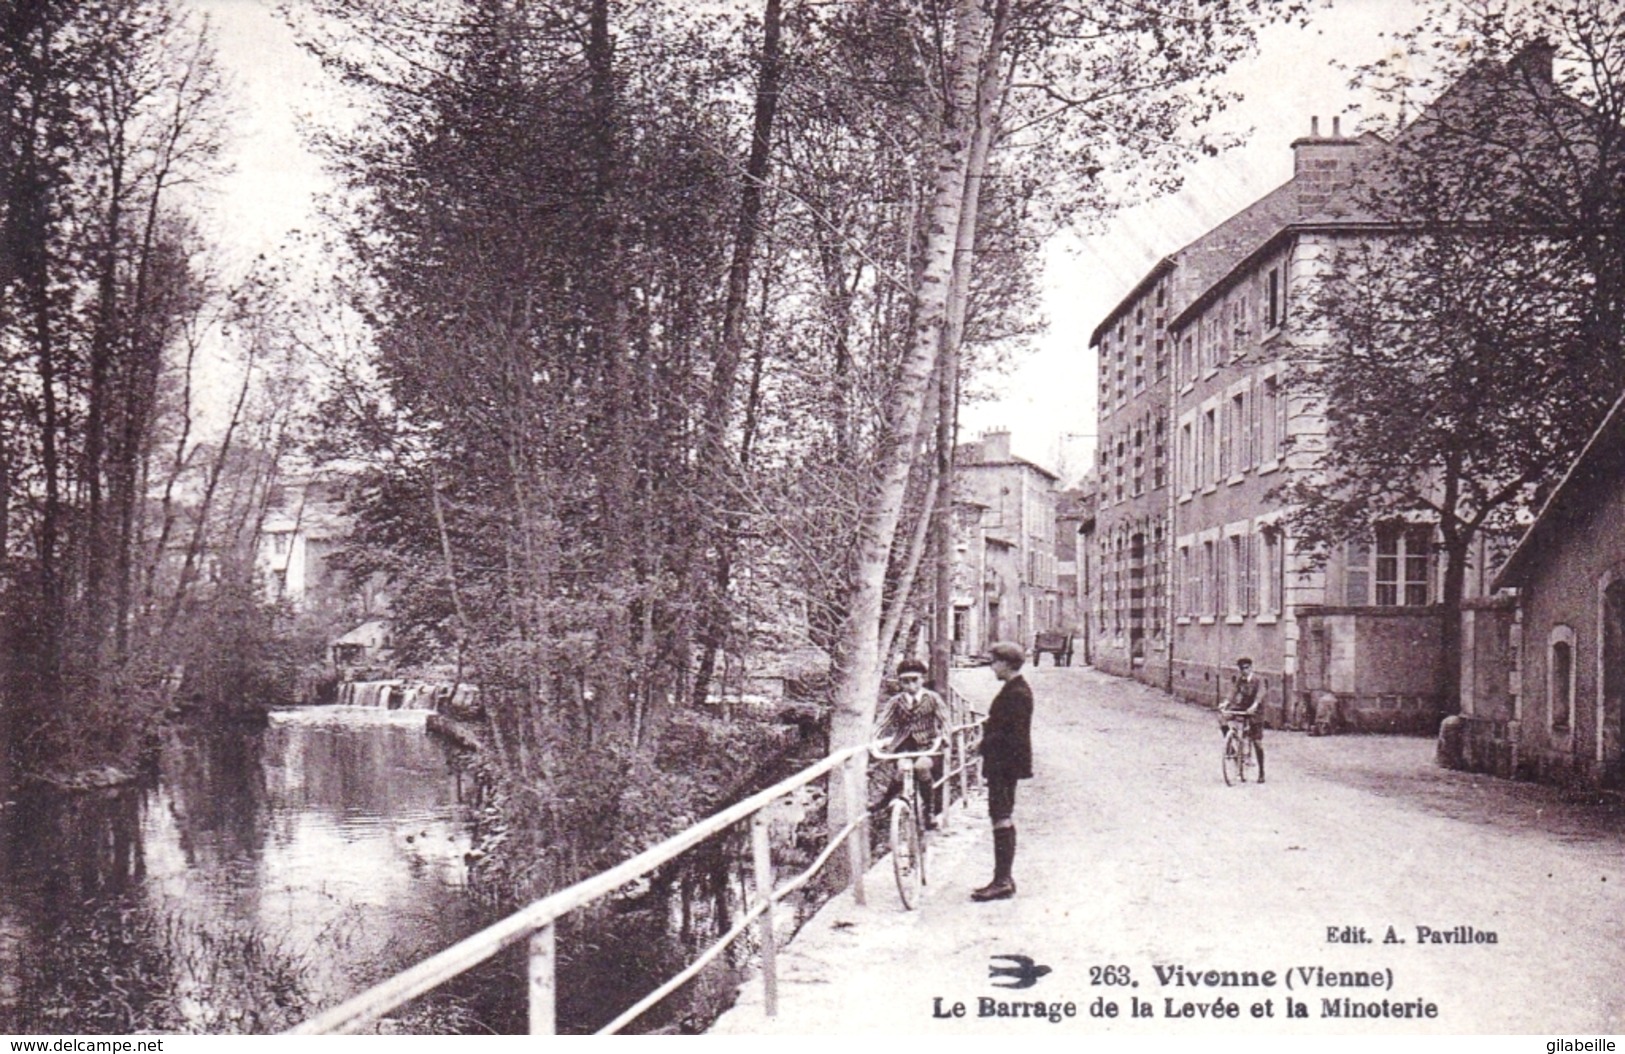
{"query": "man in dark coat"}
(1007, 756)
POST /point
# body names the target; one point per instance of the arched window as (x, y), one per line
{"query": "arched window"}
(1560, 679)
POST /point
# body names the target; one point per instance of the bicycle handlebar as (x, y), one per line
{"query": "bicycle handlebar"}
(907, 754)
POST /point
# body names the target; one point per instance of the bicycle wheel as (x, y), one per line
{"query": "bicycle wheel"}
(1235, 759)
(906, 860)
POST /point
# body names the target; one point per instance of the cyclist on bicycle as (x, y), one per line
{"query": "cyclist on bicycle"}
(916, 718)
(1246, 696)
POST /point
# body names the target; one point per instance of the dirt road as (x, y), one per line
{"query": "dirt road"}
(1134, 855)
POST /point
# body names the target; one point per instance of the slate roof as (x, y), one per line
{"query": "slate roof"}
(1602, 461)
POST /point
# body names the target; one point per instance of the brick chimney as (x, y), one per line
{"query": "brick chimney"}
(996, 446)
(1322, 166)
(1536, 58)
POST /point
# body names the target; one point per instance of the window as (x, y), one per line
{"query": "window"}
(1139, 462)
(1210, 447)
(1187, 457)
(1182, 604)
(1269, 577)
(1274, 306)
(1253, 441)
(1357, 574)
(1159, 461)
(1193, 586)
(1269, 421)
(1236, 439)
(1158, 579)
(1282, 415)
(1187, 359)
(1562, 686)
(1255, 565)
(1220, 598)
(1560, 678)
(1161, 359)
(1204, 586)
(1403, 552)
(1235, 602)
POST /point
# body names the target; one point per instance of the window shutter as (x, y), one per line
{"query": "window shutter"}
(1255, 430)
(1249, 546)
(1357, 574)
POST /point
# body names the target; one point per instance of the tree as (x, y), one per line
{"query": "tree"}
(1528, 138)
(1452, 384)
(657, 295)
(1468, 346)
(110, 107)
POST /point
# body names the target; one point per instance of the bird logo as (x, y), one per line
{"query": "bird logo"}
(1024, 974)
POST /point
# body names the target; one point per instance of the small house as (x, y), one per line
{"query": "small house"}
(1556, 714)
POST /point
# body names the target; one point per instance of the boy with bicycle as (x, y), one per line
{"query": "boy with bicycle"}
(1246, 695)
(916, 718)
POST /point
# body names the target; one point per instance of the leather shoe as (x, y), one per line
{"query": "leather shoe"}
(998, 889)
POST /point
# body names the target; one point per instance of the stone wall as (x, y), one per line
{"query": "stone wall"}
(1366, 669)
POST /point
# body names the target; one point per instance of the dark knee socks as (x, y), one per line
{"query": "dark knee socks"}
(1004, 852)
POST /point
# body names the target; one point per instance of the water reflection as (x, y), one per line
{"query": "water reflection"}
(321, 852)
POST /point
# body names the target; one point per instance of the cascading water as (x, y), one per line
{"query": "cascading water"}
(402, 695)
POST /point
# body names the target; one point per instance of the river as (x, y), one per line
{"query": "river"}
(260, 874)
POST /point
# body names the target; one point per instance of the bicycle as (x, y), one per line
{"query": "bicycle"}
(1238, 749)
(907, 826)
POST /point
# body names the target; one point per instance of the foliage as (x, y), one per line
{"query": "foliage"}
(593, 808)
(114, 514)
(1452, 382)
(124, 968)
(1471, 346)
(1530, 138)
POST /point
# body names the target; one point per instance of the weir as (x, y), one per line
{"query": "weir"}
(403, 695)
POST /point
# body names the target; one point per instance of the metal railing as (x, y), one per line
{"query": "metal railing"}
(535, 924)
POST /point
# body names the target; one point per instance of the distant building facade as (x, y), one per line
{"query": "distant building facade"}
(305, 526)
(1199, 425)
(1006, 519)
(1134, 455)
(1074, 571)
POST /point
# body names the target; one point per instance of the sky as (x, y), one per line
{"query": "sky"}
(1047, 400)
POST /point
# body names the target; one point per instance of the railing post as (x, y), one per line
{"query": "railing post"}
(543, 1014)
(857, 808)
(964, 767)
(762, 850)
